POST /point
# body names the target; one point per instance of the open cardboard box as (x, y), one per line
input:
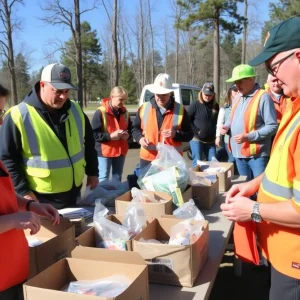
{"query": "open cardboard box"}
(171, 264)
(205, 196)
(58, 242)
(165, 207)
(90, 264)
(224, 178)
(88, 239)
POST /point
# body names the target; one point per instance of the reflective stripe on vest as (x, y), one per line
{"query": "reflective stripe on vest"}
(36, 161)
(250, 116)
(177, 114)
(50, 167)
(172, 120)
(103, 111)
(275, 181)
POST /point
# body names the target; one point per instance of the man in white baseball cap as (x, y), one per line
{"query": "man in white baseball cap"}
(47, 142)
(161, 120)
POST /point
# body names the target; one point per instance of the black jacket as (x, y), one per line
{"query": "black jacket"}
(183, 135)
(203, 117)
(98, 133)
(11, 149)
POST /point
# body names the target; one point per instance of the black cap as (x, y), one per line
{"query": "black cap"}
(59, 76)
(208, 88)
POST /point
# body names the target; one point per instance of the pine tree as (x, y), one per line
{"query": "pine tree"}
(22, 75)
(91, 53)
(212, 15)
(129, 83)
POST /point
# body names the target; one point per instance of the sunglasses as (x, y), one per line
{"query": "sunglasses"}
(280, 61)
(2, 112)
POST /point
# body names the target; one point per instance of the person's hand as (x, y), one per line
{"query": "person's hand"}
(246, 189)
(116, 135)
(144, 142)
(218, 141)
(125, 135)
(27, 220)
(45, 210)
(238, 209)
(31, 196)
(241, 138)
(223, 129)
(92, 182)
(168, 133)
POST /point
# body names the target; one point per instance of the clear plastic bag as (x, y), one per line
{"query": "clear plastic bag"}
(140, 196)
(165, 181)
(108, 287)
(135, 219)
(212, 166)
(107, 191)
(108, 234)
(167, 157)
(188, 211)
(186, 232)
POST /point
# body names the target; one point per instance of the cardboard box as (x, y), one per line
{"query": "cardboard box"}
(171, 264)
(224, 178)
(88, 239)
(205, 196)
(58, 243)
(151, 209)
(90, 264)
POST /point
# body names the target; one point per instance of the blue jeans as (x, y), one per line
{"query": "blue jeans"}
(251, 167)
(105, 164)
(198, 149)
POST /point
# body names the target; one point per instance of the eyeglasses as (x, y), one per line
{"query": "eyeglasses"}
(280, 61)
(2, 112)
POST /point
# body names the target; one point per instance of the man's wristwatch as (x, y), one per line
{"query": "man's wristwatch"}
(255, 216)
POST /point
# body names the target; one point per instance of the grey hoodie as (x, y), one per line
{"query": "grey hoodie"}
(266, 124)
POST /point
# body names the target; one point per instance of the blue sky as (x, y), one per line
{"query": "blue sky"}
(35, 35)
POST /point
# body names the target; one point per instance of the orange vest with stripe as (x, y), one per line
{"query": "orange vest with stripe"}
(14, 251)
(281, 244)
(249, 149)
(280, 106)
(172, 120)
(111, 124)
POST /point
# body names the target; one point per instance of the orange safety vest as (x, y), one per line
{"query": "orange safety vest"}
(249, 149)
(172, 120)
(280, 106)
(14, 250)
(281, 244)
(111, 124)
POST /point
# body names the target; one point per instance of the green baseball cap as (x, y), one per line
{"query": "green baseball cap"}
(284, 36)
(240, 72)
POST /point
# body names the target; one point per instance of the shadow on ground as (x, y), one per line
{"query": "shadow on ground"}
(252, 285)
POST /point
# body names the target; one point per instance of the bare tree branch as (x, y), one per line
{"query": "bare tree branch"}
(103, 3)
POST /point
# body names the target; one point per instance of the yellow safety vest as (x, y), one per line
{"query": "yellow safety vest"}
(281, 244)
(47, 165)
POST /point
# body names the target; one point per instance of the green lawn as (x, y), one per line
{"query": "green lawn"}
(94, 106)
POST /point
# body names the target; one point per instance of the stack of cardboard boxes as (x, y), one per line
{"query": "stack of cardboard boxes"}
(61, 259)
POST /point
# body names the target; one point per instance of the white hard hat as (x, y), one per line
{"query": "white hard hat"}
(162, 84)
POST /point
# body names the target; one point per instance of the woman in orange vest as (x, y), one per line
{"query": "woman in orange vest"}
(111, 127)
(16, 215)
(161, 120)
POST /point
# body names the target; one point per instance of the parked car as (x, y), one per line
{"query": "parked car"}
(183, 94)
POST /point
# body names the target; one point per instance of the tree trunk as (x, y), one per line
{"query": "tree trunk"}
(115, 42)
(244, 43)
(10, 54)
(152, 43)
(178, 16)
(217, 56)
(77, 39)
(142, 47)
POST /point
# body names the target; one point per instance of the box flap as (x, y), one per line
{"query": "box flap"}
(99, 254)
